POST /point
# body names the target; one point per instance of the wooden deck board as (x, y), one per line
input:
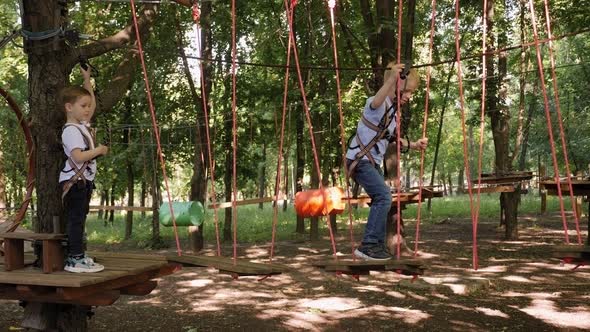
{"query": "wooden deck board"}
(349, 266)
(226, 264)
(114, 268)
(576, 252)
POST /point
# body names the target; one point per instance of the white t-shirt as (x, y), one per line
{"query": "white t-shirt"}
(366, 134)
(71, 138)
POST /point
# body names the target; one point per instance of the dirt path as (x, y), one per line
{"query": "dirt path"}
(517, 288)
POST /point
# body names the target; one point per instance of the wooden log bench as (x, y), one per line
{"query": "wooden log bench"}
(14, 253)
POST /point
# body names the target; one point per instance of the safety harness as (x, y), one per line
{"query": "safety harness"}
(381, 132)
(89, 140)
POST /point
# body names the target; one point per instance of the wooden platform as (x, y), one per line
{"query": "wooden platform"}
(240, 267)
(404, 197)
(580, 187)
(512, 177)
(347, 265)
(122, 275)
(572, 253)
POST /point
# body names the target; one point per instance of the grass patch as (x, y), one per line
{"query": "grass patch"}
(255, 225)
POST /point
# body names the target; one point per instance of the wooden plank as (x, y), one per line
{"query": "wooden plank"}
(348, 261)
(349, 266)
(53, 256)
(227, 264)
(513, 177)
(98, 299)
(121, 208)
(242, 202)
(70, 293)
(110, 254)
(580, 187)
(495, 189)
(32, 236)
(14, 254)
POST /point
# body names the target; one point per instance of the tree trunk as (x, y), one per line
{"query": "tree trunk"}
(450, 183)
(112, 203)
(262, 177)
(103, 202)
(500, 121)
(155, 194)
(201, 166)
(130, 174)
(55, 317)
(2, 188)
(50, 62)
(461, 182)
(439, 132)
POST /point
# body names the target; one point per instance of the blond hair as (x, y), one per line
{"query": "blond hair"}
(412, 73)
(70, 95)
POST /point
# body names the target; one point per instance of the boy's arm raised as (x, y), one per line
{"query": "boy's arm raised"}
(88, 86)
(388, 86)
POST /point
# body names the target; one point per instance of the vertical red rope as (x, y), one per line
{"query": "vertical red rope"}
(234, 132)
(278, 186)
(331, 5)
(307, 112)
(464, 130)
(208, 137)
(424, 126)
(303, 94)
(560, 121)
(548, 116)
(155, 124)
(482, 119)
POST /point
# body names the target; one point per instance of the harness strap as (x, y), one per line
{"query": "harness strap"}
(380, 132)
(79, 172)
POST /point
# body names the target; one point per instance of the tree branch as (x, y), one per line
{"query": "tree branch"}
(121, 38)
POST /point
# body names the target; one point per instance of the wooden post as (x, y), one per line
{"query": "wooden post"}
(542, 190)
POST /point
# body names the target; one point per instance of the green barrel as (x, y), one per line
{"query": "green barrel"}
(186, 214)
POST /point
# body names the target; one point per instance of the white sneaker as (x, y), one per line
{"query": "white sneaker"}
(82, 265)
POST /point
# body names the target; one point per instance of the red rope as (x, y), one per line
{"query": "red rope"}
(398, 112)
(548, 116)
(331, 5)
(278, 186)
(464, 130)
(207, 134)
(303, 94)
(307, 112)
(155, 124)
(560, 122)
(234, 131)
(482, 120)
(31, 159)
(424, 126)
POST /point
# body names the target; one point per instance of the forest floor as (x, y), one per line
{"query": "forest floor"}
(517, 287)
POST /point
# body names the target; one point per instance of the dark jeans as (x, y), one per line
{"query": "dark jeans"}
(371, 179)
(76, 205)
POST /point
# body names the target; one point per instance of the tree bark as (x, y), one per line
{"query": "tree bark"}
(201, 165)
(50, 62)
(262, 177)
(2, 187)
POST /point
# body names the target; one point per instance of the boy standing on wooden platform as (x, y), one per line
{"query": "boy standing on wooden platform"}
(77, 177)
(375, 131)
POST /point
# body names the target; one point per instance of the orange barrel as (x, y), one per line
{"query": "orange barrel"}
(319, 202)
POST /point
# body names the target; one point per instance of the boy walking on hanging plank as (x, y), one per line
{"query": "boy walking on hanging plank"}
(375, 131)
(77, 177)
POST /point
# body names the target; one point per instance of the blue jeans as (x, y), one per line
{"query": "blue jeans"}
(371, 179)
